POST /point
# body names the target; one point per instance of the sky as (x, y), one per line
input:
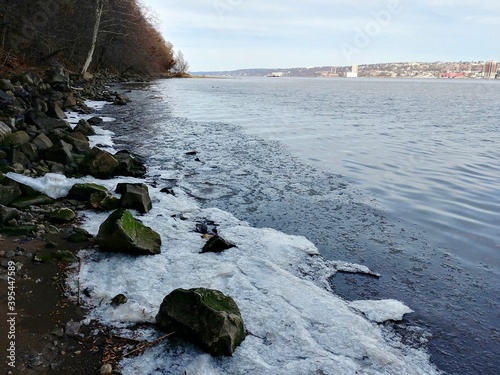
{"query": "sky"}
(218, 35)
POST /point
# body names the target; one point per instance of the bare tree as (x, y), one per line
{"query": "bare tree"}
(181, 65)
(98, 14)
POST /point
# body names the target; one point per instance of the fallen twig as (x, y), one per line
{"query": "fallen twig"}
(148, 344)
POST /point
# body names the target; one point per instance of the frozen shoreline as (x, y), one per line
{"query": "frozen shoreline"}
(278, 280)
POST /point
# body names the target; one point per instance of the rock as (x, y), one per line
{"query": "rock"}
(45, 123)
(216, 244)
(119, 299)
(83, 192)
(59, 153)
(85, 128)
(19, 138)
(168, 191)
(26, 202)
(62, 215)
(29, 78)
(55, 111)
(6, 85)
(106, 369)
(7, 214)
(18, 157)
(73, 329)
(31, 152)
(95, 120)
(9, 193)
(104, 201)
(79, 142)
(135, 196)
(70, 101)
(100, 164)
(130, 164)
(21, 230)
(5, 133)
(205, 317)
(121, 99)
(79, 235)
(42, 142)
(122, 233)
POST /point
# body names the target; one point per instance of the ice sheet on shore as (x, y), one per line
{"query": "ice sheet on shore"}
(295, 325)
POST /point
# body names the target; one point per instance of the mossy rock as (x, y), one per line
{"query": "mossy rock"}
(122, 233)
(26, 202)
(20, 230)
(83, 191)
(60, 255)
(104, 201)
(63, 215)
(205, 317)
(79, 235)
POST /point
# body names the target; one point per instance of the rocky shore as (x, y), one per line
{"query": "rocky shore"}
(40, 233)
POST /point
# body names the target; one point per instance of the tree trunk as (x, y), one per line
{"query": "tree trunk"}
(98, 14)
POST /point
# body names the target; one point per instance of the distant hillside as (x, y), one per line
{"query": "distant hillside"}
(473, 69)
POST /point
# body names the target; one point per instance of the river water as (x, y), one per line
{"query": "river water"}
(400, 175)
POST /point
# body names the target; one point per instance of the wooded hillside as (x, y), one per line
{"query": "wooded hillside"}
(98, 35)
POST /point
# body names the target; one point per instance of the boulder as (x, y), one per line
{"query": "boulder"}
(45, 123)
(216, 244)
(205, 317)
(54, 111)
(70, 101)
(59, 153)
(18, 157)
(95, 120)
(130, 164)
(42, 142)
(19, 138)
(5, 134)
(26, 202)
(122, 233)
(79, 142)
(31, 152)
(7, 214)
(104, 201)
(62, 215)
(100, 164)
(83, 192)
(6, 85)
(135, 196)
(29, 78)
(79, 235)
(85, 128)
(9, 193)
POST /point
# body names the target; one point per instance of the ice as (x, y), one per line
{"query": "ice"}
(381, 310)
(51, 184)
(294, 324)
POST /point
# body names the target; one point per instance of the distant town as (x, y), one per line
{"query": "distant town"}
(455, 70)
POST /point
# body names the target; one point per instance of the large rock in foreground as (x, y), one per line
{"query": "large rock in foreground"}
(205, 317)
(122, 233)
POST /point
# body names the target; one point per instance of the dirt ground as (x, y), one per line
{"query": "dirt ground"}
(48, 337)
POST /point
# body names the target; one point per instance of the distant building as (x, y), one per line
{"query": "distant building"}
(353, 73)
(490, 69)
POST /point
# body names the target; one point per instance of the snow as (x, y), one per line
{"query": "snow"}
(382, 310)
(295, 324)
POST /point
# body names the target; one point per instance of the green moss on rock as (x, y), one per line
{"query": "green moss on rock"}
(122, 233)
